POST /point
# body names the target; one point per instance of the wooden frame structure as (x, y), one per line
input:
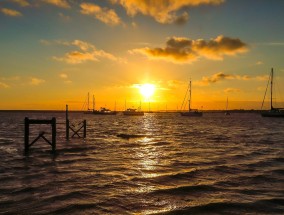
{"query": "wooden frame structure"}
(29, 122)
(83, 125)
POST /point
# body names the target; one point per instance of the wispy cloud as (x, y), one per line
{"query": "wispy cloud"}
(76, 57)
(262, 78)
(23, 3)
(36, 81)
(163, 11)
(220, 76)
(10, 12)
(4, 85)
(64, 17)
(216, 78)
(45, 42)
(86, 52)
(232, 90)
(58, 3)
(65, 78)
(105, 15)
(63, 75)
(274, 44)
(184, 50)
(8, 82)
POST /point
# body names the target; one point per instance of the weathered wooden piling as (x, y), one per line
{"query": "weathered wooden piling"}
(29, 122)
(67, 124)
(73, 128)
(85, 128)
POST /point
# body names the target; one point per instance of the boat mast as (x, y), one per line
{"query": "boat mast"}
(88, 101)
(189, 99)
(271, 89)
(93, 102)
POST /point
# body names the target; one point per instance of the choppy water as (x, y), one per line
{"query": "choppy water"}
(211, 165)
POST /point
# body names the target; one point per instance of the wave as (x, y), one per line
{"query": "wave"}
(267, 206)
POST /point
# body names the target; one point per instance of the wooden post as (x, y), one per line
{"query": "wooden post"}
(67, 123)
(85, 128)
(27, 134)
(53, 134)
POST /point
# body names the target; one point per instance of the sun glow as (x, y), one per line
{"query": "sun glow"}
(147, 90)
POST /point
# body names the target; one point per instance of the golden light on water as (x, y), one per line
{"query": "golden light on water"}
(147, 90)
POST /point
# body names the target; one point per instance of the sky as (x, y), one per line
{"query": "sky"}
(55, 52)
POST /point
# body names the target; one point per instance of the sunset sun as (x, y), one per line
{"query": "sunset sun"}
(147, 90)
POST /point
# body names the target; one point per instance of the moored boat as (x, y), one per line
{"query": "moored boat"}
(273, 112)
(191, 112)
(227, 113)
(133, 112)
(89, 111)
(104, 111)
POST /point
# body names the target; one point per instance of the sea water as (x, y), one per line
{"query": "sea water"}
(170, 164)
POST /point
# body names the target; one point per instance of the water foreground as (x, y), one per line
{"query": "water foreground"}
(169, 165)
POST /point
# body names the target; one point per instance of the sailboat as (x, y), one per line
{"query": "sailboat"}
(191, 112)
(227, 113)
(133, 111)
(273, 112)
(102, 110)
(88, 111)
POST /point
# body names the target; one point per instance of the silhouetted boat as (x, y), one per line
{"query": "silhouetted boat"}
(101, 111)
(104, 111)
(133, 112)
(191, 112)
(89, 111)
(273, 112)
(227, 113)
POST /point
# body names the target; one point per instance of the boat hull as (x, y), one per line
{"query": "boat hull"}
(104, 113)
(191, 114)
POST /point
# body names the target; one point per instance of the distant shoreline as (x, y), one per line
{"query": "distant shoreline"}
(160, 111)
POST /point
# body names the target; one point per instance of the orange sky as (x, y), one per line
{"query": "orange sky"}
(54, 52)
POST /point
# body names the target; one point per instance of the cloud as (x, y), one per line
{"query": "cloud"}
(22, 3)
(76, 57)
(63, 17)
(259, 63)
(7, 82)
(262, 78)
(232, 90)
(105, 15)
(134, 24)
(222, 76)
(10, 12)
(3, 85)
(184, 50)
(162, 11)
(36, 81)
(86, 52)
(182, 19)
(217, 77)
(45, 42)
(174, 84)
(58, 3)
(64, 76)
